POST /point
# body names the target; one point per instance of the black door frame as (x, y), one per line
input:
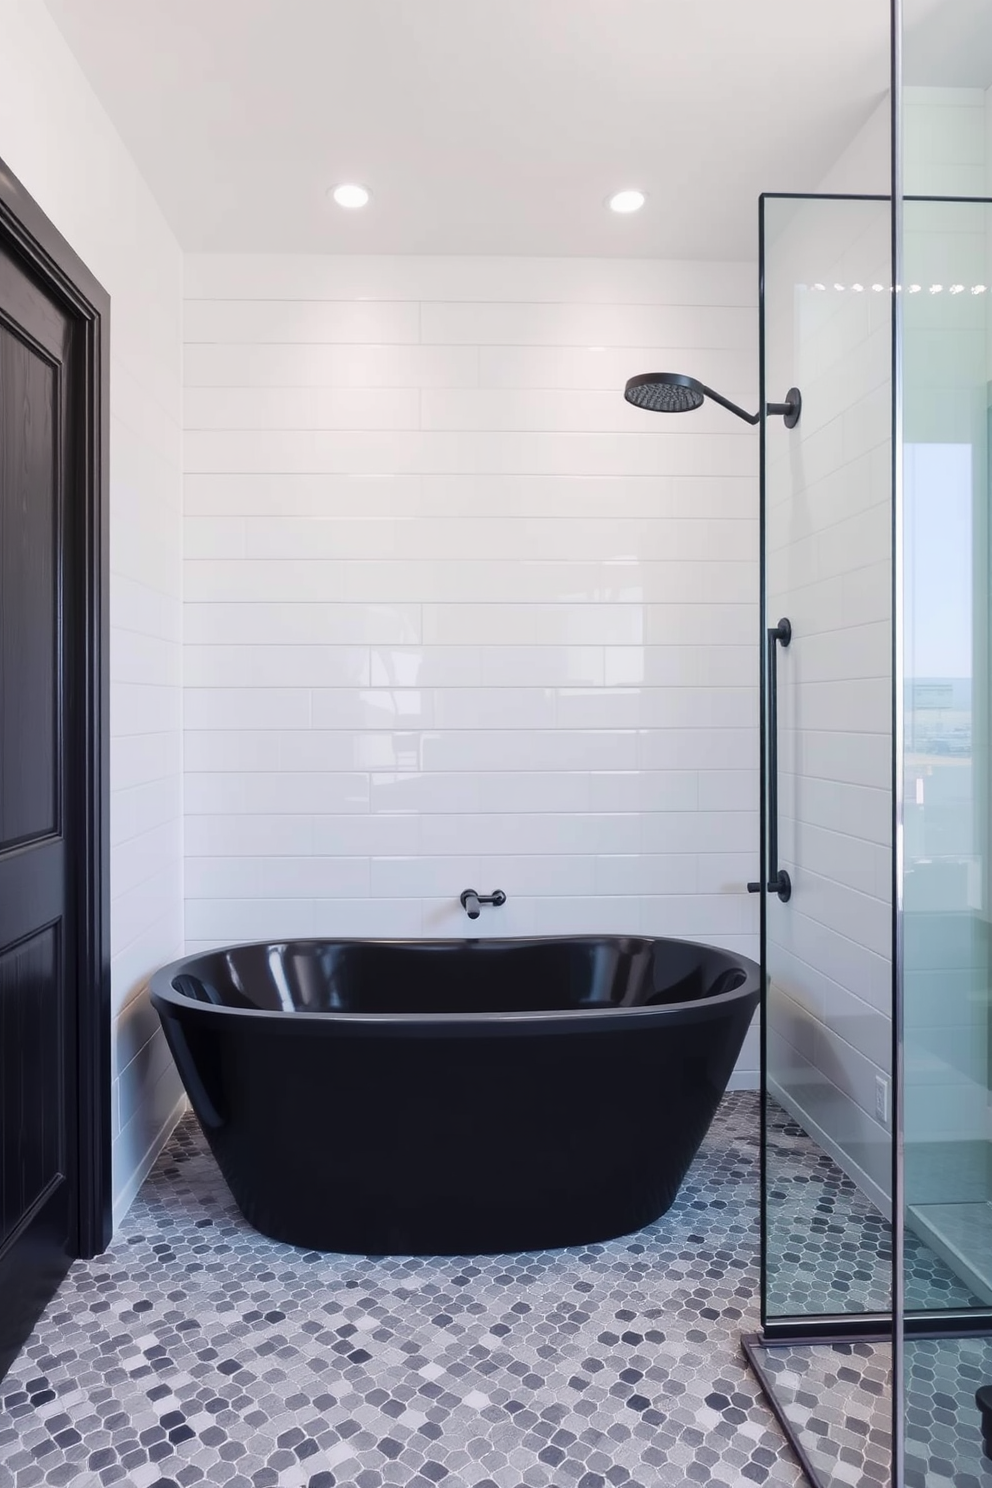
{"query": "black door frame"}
(27, 232)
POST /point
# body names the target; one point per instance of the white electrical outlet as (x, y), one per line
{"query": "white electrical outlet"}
(882, 1099)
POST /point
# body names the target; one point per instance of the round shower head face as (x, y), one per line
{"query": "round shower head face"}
(665, 392)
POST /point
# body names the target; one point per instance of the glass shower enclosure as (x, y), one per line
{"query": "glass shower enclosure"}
(876, 1328)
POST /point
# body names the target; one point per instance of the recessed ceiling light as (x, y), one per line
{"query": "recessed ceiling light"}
(627, 201)
(351, 195)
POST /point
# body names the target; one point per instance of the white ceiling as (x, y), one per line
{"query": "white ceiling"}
(481, 126)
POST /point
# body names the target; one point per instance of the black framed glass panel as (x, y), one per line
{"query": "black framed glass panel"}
(827, 553)
(946, 361)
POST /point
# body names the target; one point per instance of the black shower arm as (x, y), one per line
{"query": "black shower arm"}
(753, 418)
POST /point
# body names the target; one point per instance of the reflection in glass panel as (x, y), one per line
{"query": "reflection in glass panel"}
(947, 945)
(947, 368)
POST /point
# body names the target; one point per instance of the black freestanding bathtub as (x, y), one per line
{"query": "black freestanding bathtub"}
(455, 1097)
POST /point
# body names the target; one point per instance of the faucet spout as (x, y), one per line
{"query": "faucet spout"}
(471, 902)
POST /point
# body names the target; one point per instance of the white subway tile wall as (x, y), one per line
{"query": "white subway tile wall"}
(456, 615)
(53, 129)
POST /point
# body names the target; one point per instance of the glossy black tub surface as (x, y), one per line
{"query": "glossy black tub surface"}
(455, 1097)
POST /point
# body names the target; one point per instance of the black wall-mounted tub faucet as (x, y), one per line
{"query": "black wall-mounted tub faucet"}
(471, 902)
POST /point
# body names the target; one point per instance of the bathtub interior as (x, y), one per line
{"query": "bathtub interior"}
(459, 976)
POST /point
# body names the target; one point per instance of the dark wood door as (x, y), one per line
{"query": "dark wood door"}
(42, 440)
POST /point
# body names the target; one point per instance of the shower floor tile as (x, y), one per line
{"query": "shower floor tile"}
(829, 1248)
(838, 1399)
(964, 1233)
(197, 1351)
(830, 1251)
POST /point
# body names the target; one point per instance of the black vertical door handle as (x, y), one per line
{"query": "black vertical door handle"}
(779, 881)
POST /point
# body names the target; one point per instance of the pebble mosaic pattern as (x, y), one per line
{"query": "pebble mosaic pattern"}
(829, 1249)
(943, 1434)
(832, 1253)
(838, 1399)
(197, 1351)
(840, 1404)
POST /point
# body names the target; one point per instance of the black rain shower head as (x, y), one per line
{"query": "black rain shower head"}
(665, 392)
(673, 392)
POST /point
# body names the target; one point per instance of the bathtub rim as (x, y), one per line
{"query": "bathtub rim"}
(169, 1002)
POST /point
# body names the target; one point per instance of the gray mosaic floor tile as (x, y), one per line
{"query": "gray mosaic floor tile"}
(198, 1351)
(943, 1430)
(829, 1249)
(839, 1401)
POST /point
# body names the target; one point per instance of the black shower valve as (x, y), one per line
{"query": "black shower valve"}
(781, 885)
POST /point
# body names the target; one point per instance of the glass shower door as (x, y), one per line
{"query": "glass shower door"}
(827, 307)
(824, 1356)
(946, 892)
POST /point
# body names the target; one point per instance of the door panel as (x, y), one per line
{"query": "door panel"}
(30, 784)
(32, 1159)
(38, 958)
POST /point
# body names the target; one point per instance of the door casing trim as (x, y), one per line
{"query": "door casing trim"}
(27, 232)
